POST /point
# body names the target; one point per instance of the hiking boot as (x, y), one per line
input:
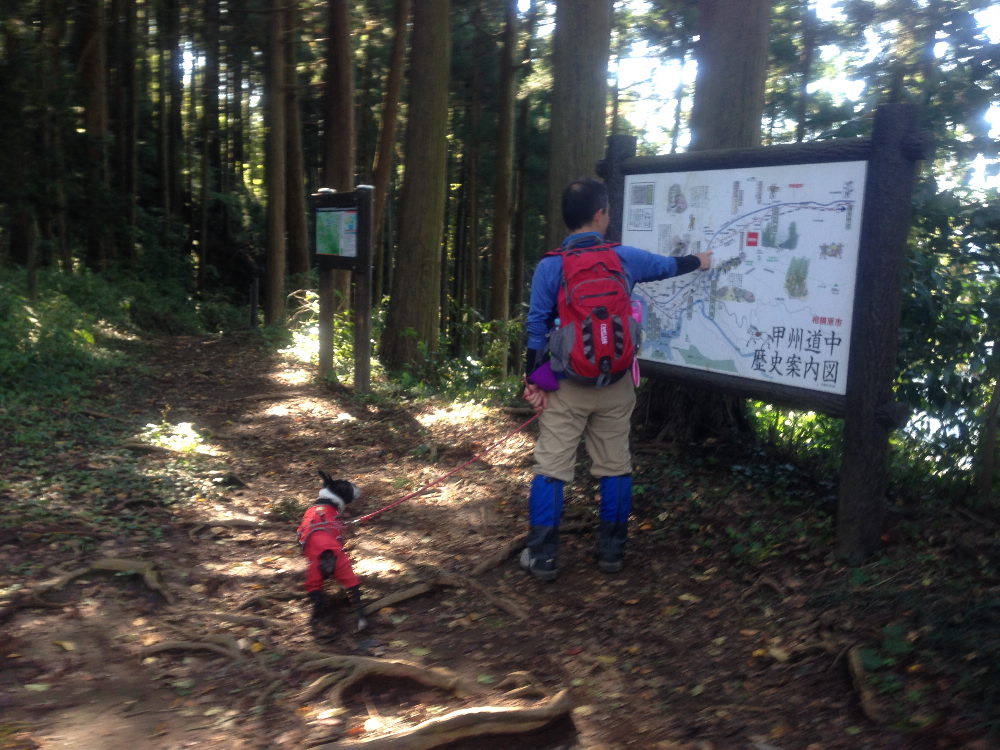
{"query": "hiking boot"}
(545, 504)
(611, 546)
(542, 567)
(616, 504)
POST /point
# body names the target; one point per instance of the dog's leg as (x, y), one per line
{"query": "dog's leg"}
(354, 595)
(320, 606)
(327, 563)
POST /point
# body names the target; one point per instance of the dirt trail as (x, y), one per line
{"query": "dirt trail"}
(684, 649)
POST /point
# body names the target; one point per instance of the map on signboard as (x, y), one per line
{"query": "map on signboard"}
(337, 231)
(777, 304)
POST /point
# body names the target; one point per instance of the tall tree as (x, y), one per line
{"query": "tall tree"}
(94, 74)
(581, 46)
(732, 68)
(338, 159)
(209, 208)
(503, 193)
(385, 152)
(340, 137)
(414, 312)
(295, 200)
(727, 109)
(274, 285)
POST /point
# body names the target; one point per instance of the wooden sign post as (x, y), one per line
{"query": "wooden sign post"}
(342, 239)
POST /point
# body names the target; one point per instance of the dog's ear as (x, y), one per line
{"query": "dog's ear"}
(327, 480)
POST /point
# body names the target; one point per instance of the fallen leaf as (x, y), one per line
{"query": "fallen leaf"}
(37, 687)
(778, 653)
(66, 645)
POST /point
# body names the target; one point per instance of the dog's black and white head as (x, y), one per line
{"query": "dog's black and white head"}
(337, 492)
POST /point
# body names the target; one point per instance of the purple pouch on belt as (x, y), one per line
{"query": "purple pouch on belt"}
(544, 378)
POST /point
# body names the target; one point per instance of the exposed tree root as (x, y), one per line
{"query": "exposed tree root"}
(453, 579)
(515, 545)
(269, 598)
(256, 620)
(29, 597)
(350, 670)
(500, 556)
(396, 597)
(467, 723)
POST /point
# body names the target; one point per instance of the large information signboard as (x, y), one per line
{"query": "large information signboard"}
(777, 305)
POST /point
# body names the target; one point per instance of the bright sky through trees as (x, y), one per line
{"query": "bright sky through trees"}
(647, 84)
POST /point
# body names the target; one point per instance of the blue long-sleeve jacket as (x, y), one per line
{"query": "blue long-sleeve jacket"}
(639, 265)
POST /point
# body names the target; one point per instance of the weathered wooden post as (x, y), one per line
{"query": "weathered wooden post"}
(870, 412)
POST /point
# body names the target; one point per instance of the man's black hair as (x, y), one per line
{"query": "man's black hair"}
(581, 200)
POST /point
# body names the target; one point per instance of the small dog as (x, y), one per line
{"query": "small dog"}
(319, 536)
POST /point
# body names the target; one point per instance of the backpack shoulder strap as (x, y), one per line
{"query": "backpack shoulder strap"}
(569, 248)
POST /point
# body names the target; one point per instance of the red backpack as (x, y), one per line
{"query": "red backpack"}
(597, 337)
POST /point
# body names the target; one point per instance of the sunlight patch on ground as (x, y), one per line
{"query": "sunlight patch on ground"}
(179, 438)
(298, 376)
(453, 414)
(379, 566)
(308, 408)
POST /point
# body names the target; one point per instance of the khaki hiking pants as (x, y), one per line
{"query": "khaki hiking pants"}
(602, 416)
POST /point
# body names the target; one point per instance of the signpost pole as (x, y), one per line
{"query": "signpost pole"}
(326, 308)
(870, 413)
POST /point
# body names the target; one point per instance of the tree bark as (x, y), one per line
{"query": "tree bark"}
(580, 49)
(414, 312)
(297, 212)
(503, 192)
(274, 284)
(387, 140)
(340, 139)
(94, 74)
(732, 68)
(726, 113)
(211, 151)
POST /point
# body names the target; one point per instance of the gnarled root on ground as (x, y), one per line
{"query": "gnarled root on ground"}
(350, 670)
(465, 723)
(29, 597)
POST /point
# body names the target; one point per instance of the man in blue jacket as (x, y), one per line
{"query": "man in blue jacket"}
(601, 415)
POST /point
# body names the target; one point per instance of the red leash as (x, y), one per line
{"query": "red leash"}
(440, 479)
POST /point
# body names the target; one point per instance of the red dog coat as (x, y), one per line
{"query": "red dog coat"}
(321, 530)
